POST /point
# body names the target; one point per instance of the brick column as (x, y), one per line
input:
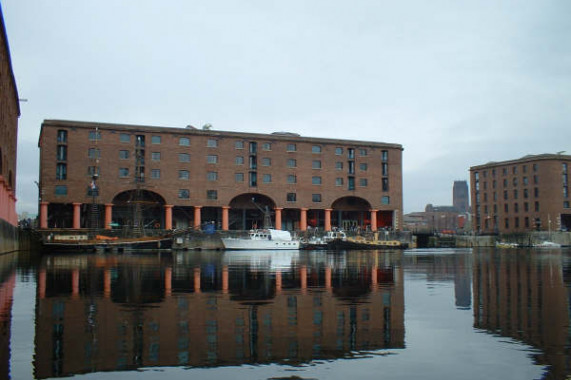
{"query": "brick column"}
(374, 220)
(197, 220)
(303, 220)
(76, 215)
(168, 217)
(44, 214)
(278, 218)
(108, 215)
(225, 217)
(328, 219)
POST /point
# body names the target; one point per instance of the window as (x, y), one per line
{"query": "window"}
(212, 159)
(385, 185)
(253, 179)
(211, 194)
(62, 136)
(183, 193)
(212, 143)
(385, 168)
(505, 171)
(505, 195)
(386, 200)
(362, 152)
(516, 207)
(535, 180)
(515, 182)
(183, 174)
(565, 204)
(291, 163)
(94, 153)
(534, 167)
(212, 176)
(239, 144)
(291, 148)
(363, 167)
(363, 182)
(316, 164)
(291, 178)
(515, 193)
(384, 155)
(316, 180)
(338, 151)
(156, 156)
(536, 206)
(156, 139)
(123, 154)
(351, 168)
(184, 141)
(350, 183)
(514, 170)
(61, 190)
(183, 157)
(124, 137)
(525, 206)
(253, 147)
(123, 172)
(155, 173)
(351, 153)
(505, 182)
(239, 177)
(316, 197)
(536, 192)
(267, 178)
(267, 146)
(316, 149)
(93, 170)
(62, 153)
(338, 181)
(253, 162)
(239, 160)
(338, 165)
(507, 223)
(291, 197)
(61, 171)
(526, 221)
(94, 135)
(266, 161)
(525, 181)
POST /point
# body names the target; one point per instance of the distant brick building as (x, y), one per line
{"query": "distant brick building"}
(530, 193)
(461, 196)
(188, 177)
(9, 114)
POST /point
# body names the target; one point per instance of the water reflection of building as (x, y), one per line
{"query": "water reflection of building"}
(99, 314)
(454, 267)
(524, 297)
(7, 284)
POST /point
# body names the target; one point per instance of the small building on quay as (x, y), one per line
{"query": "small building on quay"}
(522, 195)
(9, 114)
(91, 174)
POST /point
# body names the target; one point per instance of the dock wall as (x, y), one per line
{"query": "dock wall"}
(8, 237)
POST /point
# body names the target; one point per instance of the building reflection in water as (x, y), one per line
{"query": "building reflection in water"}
(524, 295)
(100, 313)
(8, 263)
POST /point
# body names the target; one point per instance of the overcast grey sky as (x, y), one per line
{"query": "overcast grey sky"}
(457, 83)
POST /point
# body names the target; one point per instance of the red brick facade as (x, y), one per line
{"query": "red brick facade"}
(9, 113)
(207, 175)
(531, 193)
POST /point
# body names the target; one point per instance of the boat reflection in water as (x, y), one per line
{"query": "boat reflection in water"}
(195, 309)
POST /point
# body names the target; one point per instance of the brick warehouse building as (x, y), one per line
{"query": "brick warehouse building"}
(530, 193)
(186, 177)
(9, 114)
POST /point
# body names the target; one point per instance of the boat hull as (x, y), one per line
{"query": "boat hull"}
(247, 244)
(110, 245)
(351, 244)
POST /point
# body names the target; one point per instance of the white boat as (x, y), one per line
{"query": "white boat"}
(547, 244)
(262, 239)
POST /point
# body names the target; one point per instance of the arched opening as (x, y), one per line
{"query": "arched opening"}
(138, 209)
(351, 213)
(251, 210)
